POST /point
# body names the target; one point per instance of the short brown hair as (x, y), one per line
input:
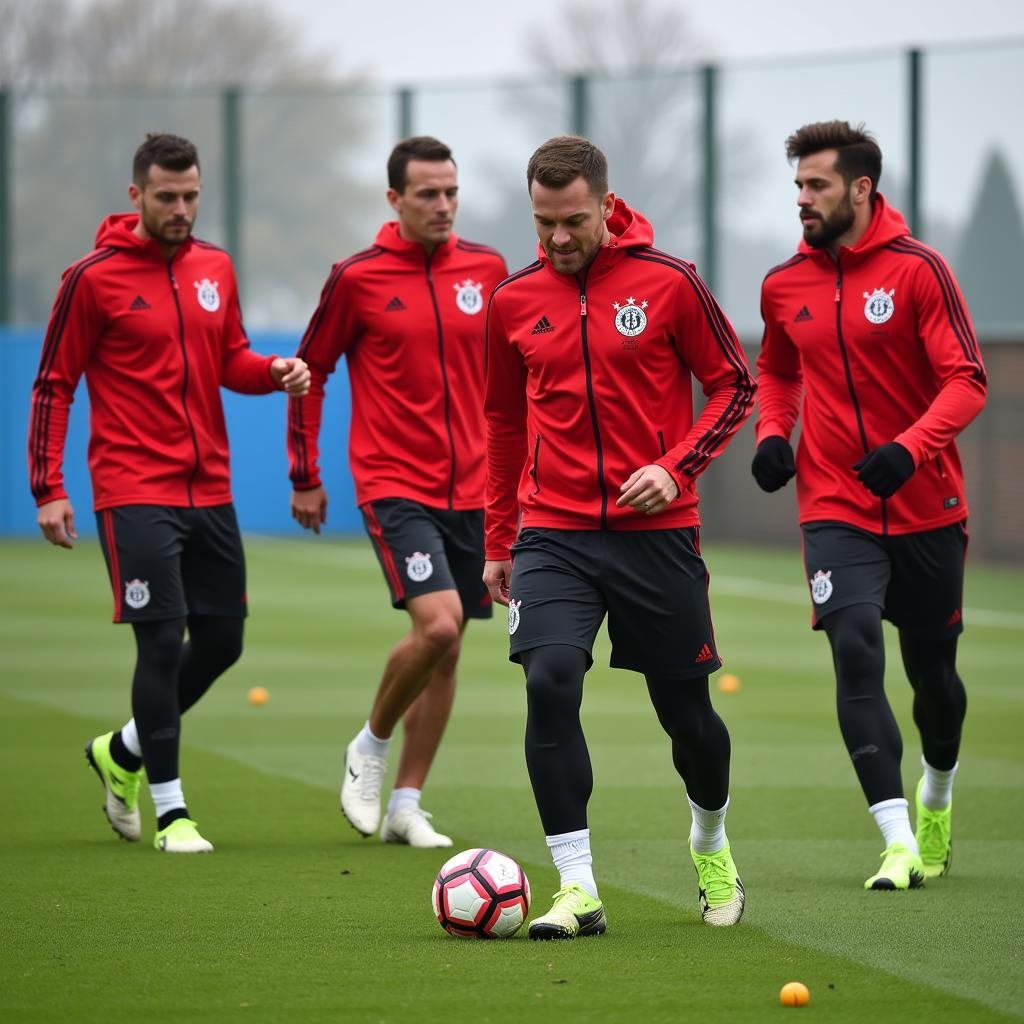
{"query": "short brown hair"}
(418, 147)
(858, 153)
(171, 152)
(563, 159)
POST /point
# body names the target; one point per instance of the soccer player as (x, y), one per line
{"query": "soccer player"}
(408, 313)
(151, 317)
(593, 455)
(867, 327)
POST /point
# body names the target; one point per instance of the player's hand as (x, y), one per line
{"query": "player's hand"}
(773, 466)
(290, 375)
(309, 508)
(650, 490)
(886, 469)
(497, 576)
(57, 521)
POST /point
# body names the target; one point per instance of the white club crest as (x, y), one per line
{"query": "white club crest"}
(469, 296)
(879, 306)
(419, 567)
(136, 593)
(630, 319)
(821, 586)
(207, 294)
(513, 616)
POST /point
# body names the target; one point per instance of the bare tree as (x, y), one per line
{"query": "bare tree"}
(90, 79)
(616, 37)
(33, 40)
(184, 43)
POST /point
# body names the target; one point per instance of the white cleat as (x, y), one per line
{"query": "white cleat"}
(411, 825)
(360, 789)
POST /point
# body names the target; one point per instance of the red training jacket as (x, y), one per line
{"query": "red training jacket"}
(882, 339)
(156, 341)
(589, 378)
(412, 328)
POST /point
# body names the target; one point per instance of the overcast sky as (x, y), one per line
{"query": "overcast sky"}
(409, 40)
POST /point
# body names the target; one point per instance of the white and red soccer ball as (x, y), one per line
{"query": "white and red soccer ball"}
(481, 894)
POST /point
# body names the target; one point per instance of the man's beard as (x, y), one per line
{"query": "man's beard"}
(829, 229)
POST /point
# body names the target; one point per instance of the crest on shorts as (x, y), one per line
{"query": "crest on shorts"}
(136, 593)
(879, 306)
(469, 297)
(630, 319)
(821, 586)
(207, 294)
(513, 616)
(419, 567)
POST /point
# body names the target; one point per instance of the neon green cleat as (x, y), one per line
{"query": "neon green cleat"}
(934, 837)
(720, 894)
(121, 787)
(574, 913)
(901, 869)
(182, 836)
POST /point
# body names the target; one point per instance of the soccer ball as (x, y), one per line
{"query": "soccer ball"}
(481, 894)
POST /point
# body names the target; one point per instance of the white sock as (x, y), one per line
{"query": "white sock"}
(707, 833)
(368, 744)
(937, 791)
(571, 853)
(893, 818)
(130, 738)
(400, 796)
(167, 796)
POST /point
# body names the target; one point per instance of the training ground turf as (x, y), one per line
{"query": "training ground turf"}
(296, 918)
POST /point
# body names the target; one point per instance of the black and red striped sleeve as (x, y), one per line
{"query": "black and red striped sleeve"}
(75, 326)
(780, 379)
(947, 334)
(331, 332)
(505, 412)
(708, 345)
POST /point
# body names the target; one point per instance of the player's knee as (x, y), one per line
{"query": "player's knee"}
(856, 638)
(159, 646)
(554, 675)
(440, 633)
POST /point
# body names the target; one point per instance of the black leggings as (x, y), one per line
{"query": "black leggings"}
(866, 720)
(171, 675)
(557, 757)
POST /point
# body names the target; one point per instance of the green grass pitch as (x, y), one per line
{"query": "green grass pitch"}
(296, 918)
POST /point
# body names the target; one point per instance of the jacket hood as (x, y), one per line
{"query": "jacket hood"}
(389, 238)
(887, 224)
(118, 230)
(628, 229)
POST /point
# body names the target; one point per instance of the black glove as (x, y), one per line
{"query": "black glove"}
(773, 466)
(886, 469)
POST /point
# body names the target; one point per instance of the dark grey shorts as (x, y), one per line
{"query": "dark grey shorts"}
(916, 579)
(652, 585)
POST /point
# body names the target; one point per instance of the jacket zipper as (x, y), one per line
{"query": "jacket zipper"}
(661, 442)
(849, 380)
(184, 382)
(444, 381)
(535, 472)
(590, 398)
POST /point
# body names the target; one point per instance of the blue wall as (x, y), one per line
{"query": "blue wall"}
(256, 429)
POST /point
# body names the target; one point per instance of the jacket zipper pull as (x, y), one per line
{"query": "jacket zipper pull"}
(583, 305)
(839, 285)
(174, 280)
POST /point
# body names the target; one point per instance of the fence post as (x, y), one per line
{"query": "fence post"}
(5, 207)
(234, 198)
(405, 96)
(914, 118)
(709, 220)
(578, 104)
